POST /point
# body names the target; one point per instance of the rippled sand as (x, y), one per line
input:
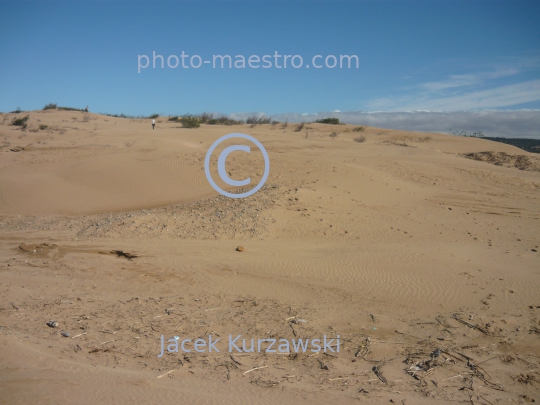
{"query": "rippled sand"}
(399, 244)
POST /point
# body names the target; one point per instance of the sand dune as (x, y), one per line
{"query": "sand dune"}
(395, 244)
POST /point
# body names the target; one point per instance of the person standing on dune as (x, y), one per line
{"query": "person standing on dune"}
(153, 123)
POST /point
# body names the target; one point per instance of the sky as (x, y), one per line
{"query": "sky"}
(424, 65)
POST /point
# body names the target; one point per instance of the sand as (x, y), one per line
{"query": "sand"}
(419, 250)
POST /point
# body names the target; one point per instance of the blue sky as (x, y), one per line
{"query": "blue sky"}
(413, 55)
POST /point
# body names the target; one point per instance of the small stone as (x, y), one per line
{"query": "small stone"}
(65, 334)
(53, 324)
(239, 248)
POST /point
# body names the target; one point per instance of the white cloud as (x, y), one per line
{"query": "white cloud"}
(503, 83)
(470, 102)
(468, 79)
(503, 123)
(497, 97)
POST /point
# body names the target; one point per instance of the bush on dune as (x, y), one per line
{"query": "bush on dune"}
(20, 122)
(69, 108)
(333, 121)
(189, 121)
(254, 120)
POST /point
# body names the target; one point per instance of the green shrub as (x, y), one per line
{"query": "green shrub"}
(223, 120)
(20, 122)
(299, 127)
(69, 108)
(359, 129)
(153, 116)
(43, 126)
(254, 120)
(334, 135)
(50, 106)
(205, 117)
(194, 121)
(189, 121)
(478, 134)
(334, 121)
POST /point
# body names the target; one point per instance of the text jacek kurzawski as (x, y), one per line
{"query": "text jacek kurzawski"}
(241, 345)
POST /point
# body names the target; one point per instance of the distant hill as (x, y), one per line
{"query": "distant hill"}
(530, 145)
